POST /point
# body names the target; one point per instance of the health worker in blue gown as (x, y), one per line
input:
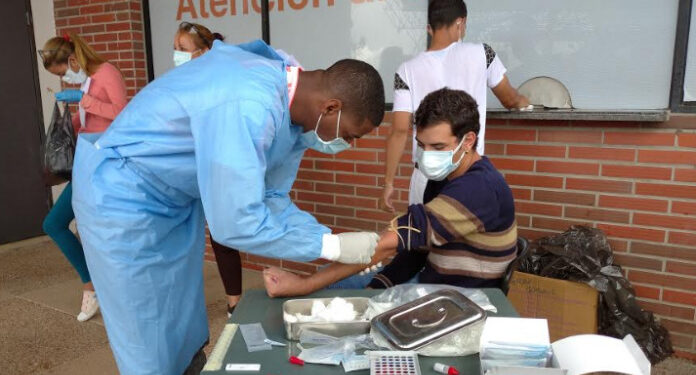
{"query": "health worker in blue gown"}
(219, 137)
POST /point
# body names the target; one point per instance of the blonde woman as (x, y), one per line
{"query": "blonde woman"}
(102, 95)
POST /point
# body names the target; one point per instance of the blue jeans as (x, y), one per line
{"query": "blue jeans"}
(57, 226)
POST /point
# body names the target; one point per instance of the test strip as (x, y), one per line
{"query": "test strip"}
(243, 367)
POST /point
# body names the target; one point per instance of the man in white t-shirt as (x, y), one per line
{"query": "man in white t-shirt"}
(472, 67)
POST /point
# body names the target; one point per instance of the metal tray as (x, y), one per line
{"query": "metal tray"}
(336, 329)
(424, 320)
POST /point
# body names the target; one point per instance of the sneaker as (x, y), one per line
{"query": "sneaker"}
(90, 306)
(230, 310)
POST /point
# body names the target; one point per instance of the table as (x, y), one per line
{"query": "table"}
(255, 306)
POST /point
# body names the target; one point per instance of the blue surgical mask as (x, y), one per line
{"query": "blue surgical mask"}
(437, 165)
(181, 57)
(334, 146)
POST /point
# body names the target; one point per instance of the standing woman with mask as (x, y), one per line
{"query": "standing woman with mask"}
(191, 41)
(102, 95)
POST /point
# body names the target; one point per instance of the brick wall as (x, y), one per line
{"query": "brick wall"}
(635, 181)
(114, 28)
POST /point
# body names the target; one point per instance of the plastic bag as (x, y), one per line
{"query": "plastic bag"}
(333, 350)
(59, 148)
(583, 254)
(458, 343)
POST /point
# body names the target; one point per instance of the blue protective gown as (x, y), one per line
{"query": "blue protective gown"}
(211, 140)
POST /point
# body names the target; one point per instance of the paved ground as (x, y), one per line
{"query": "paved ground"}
(40, 297)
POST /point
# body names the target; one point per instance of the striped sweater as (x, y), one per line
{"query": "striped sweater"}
(467, 236)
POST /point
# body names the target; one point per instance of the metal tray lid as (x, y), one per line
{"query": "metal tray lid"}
(424, 320)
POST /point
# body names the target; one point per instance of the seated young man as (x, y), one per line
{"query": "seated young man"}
(465, 232)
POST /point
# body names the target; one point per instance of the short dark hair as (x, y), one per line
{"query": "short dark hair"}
(442, 13)
(455, 107)
(358, 85)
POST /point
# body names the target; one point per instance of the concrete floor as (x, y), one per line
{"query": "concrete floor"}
(40, 297)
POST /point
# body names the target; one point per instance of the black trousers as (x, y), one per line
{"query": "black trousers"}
(230, 266)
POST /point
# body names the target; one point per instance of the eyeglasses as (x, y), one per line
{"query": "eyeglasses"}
(189, 27)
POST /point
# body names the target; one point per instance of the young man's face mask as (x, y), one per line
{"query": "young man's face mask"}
(334, 146)
(437, 165)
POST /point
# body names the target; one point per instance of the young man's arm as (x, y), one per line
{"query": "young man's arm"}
(280, 283)
(509, 96)
(396, 143)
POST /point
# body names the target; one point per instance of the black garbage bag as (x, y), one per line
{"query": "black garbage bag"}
(59, 148)
(583, 254)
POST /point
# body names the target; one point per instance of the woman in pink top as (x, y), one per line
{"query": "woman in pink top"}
(102, 95)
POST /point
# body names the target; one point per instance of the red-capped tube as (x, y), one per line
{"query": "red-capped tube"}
(296, 361)
(444, 369)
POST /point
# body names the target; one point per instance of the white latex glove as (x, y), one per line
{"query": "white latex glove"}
(357, 247)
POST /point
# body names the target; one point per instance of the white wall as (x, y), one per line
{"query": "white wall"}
(690, 77)
(44, 29)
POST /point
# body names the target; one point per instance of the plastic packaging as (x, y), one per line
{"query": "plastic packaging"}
(334, 352)
(459, 343)
(583, 254)
(59, 148)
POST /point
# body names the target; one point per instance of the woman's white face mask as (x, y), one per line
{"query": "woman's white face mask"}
(181, 57)
(74, 78)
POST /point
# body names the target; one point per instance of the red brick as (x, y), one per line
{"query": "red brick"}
(610, 186)
(315, 176)
(629, 232)
(680, 297)
(618, 245)
(110, 37)
(521, 194)
(335, 210)
(666, 190)
(534, 234)
(303, 185)
(251, 266)
(560, 225)
(661, 250)
(691, 355)
(304, 163)
(685, 208)
(672, 325)
(564, 136)
(68, 12)
(510, 135)
(538, 208)
(380, 216)
(567, 168)
(680, 238)
(597, 214)
(315, 197)
(632, 261)
(316, 154)
(668, 310)
(661, 279)
(327, 220)
(637, 138)
(304, 206)
(354, 179)
(534, 180)
(91, 29)
(667, 157)
(370, 168)
(331, 166)
(685, 175)
(80, 20)
(523, 220)
(368, 192)
(513, 164)
(263, 260)
(640, 204)
(357, 155)
(582, 199)
(637, 172)
(665, 221)
(494, 149)
(681, 267)
(602, 153)
(536, 151)
(681, 341)
(93, 9)
(120, 26)
(369, 225)
(299, 267)
(687, 140)
(380, 143)
(646, 291)
(335, 188)
(356, 202)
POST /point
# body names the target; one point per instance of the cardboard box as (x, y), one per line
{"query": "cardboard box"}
(569, 307)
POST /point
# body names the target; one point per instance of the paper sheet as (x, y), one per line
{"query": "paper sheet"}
(584, 354)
